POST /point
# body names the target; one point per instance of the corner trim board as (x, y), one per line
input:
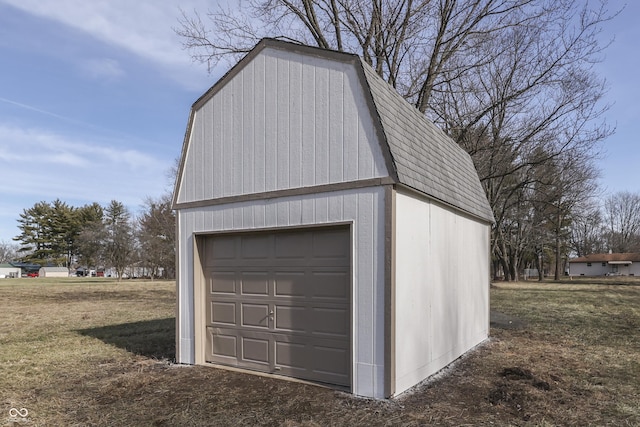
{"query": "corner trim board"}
(389, 291)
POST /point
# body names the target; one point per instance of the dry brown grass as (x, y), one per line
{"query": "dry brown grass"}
(81, 352)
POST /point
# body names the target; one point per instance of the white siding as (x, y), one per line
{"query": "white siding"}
(442, 288)
(363, 207)
(597, 269)
(10, 272)
(284, 121)
(583, 269)
(53, 272)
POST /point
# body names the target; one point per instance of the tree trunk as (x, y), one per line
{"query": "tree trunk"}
(496, 268)
(513, 269)
(505, 269)
(540, 268)
(556, 275)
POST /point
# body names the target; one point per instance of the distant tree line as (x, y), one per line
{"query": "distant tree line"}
(551, 230)
(544, 229)
(55, 233)
(614, 225)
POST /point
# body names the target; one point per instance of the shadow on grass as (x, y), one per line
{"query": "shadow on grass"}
(149, 338)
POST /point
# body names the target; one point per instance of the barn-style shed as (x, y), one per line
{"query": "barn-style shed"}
(53, 272)
(326, 230)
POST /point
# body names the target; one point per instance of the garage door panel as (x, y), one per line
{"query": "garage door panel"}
(330, 284)
(257, 246)
(223, 345)
(220, 248)
(291, 245)
(291, 355)
(290, 284)
(281, 303)
(324, 360)
(291, 318)
(331, 321)
(255, 350)
(222, 282)
(333, 244)
(331, 364)
(255, 315)
(255, 283)
(223, 313)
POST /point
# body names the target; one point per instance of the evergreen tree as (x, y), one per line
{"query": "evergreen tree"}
(90, 240)
(48, 231)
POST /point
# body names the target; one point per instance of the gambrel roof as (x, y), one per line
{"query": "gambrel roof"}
(425, 158)
(418, 154)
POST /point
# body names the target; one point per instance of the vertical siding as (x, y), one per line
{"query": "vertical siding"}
(363, 207)
(248, 127)
(295, 124)
(283, 100)
(285, 120)
(442, 287)
(596, 269)
(259, 122)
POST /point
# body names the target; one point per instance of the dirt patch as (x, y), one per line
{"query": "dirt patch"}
(505, 321)
(514, 390)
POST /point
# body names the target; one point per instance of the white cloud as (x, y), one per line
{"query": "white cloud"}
(51, 148)
(143, 27)
(49, 166)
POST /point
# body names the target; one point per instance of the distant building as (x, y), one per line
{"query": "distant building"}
(9, 271)
(53, 272)
(627, 264)
(27, 269)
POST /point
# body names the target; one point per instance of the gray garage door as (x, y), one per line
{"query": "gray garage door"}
(279, 302)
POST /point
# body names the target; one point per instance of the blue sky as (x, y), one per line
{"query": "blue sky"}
(95, 96)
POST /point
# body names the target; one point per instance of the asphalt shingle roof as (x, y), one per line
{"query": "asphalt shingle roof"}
(425, 158)
(633, 257)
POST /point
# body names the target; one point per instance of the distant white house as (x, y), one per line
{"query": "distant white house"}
(8, 270)
(53, 272)
(625, 264)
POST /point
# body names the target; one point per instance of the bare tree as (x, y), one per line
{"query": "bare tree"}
(587, 232)
(156, 236)
(8, 252)
(510, 80)
(410, 40)
(531, 107)
(622, 219)
(562, 185)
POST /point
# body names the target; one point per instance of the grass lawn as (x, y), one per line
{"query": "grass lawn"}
(84, 352)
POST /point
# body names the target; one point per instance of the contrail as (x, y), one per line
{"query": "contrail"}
(38, 110)
(70, 120)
